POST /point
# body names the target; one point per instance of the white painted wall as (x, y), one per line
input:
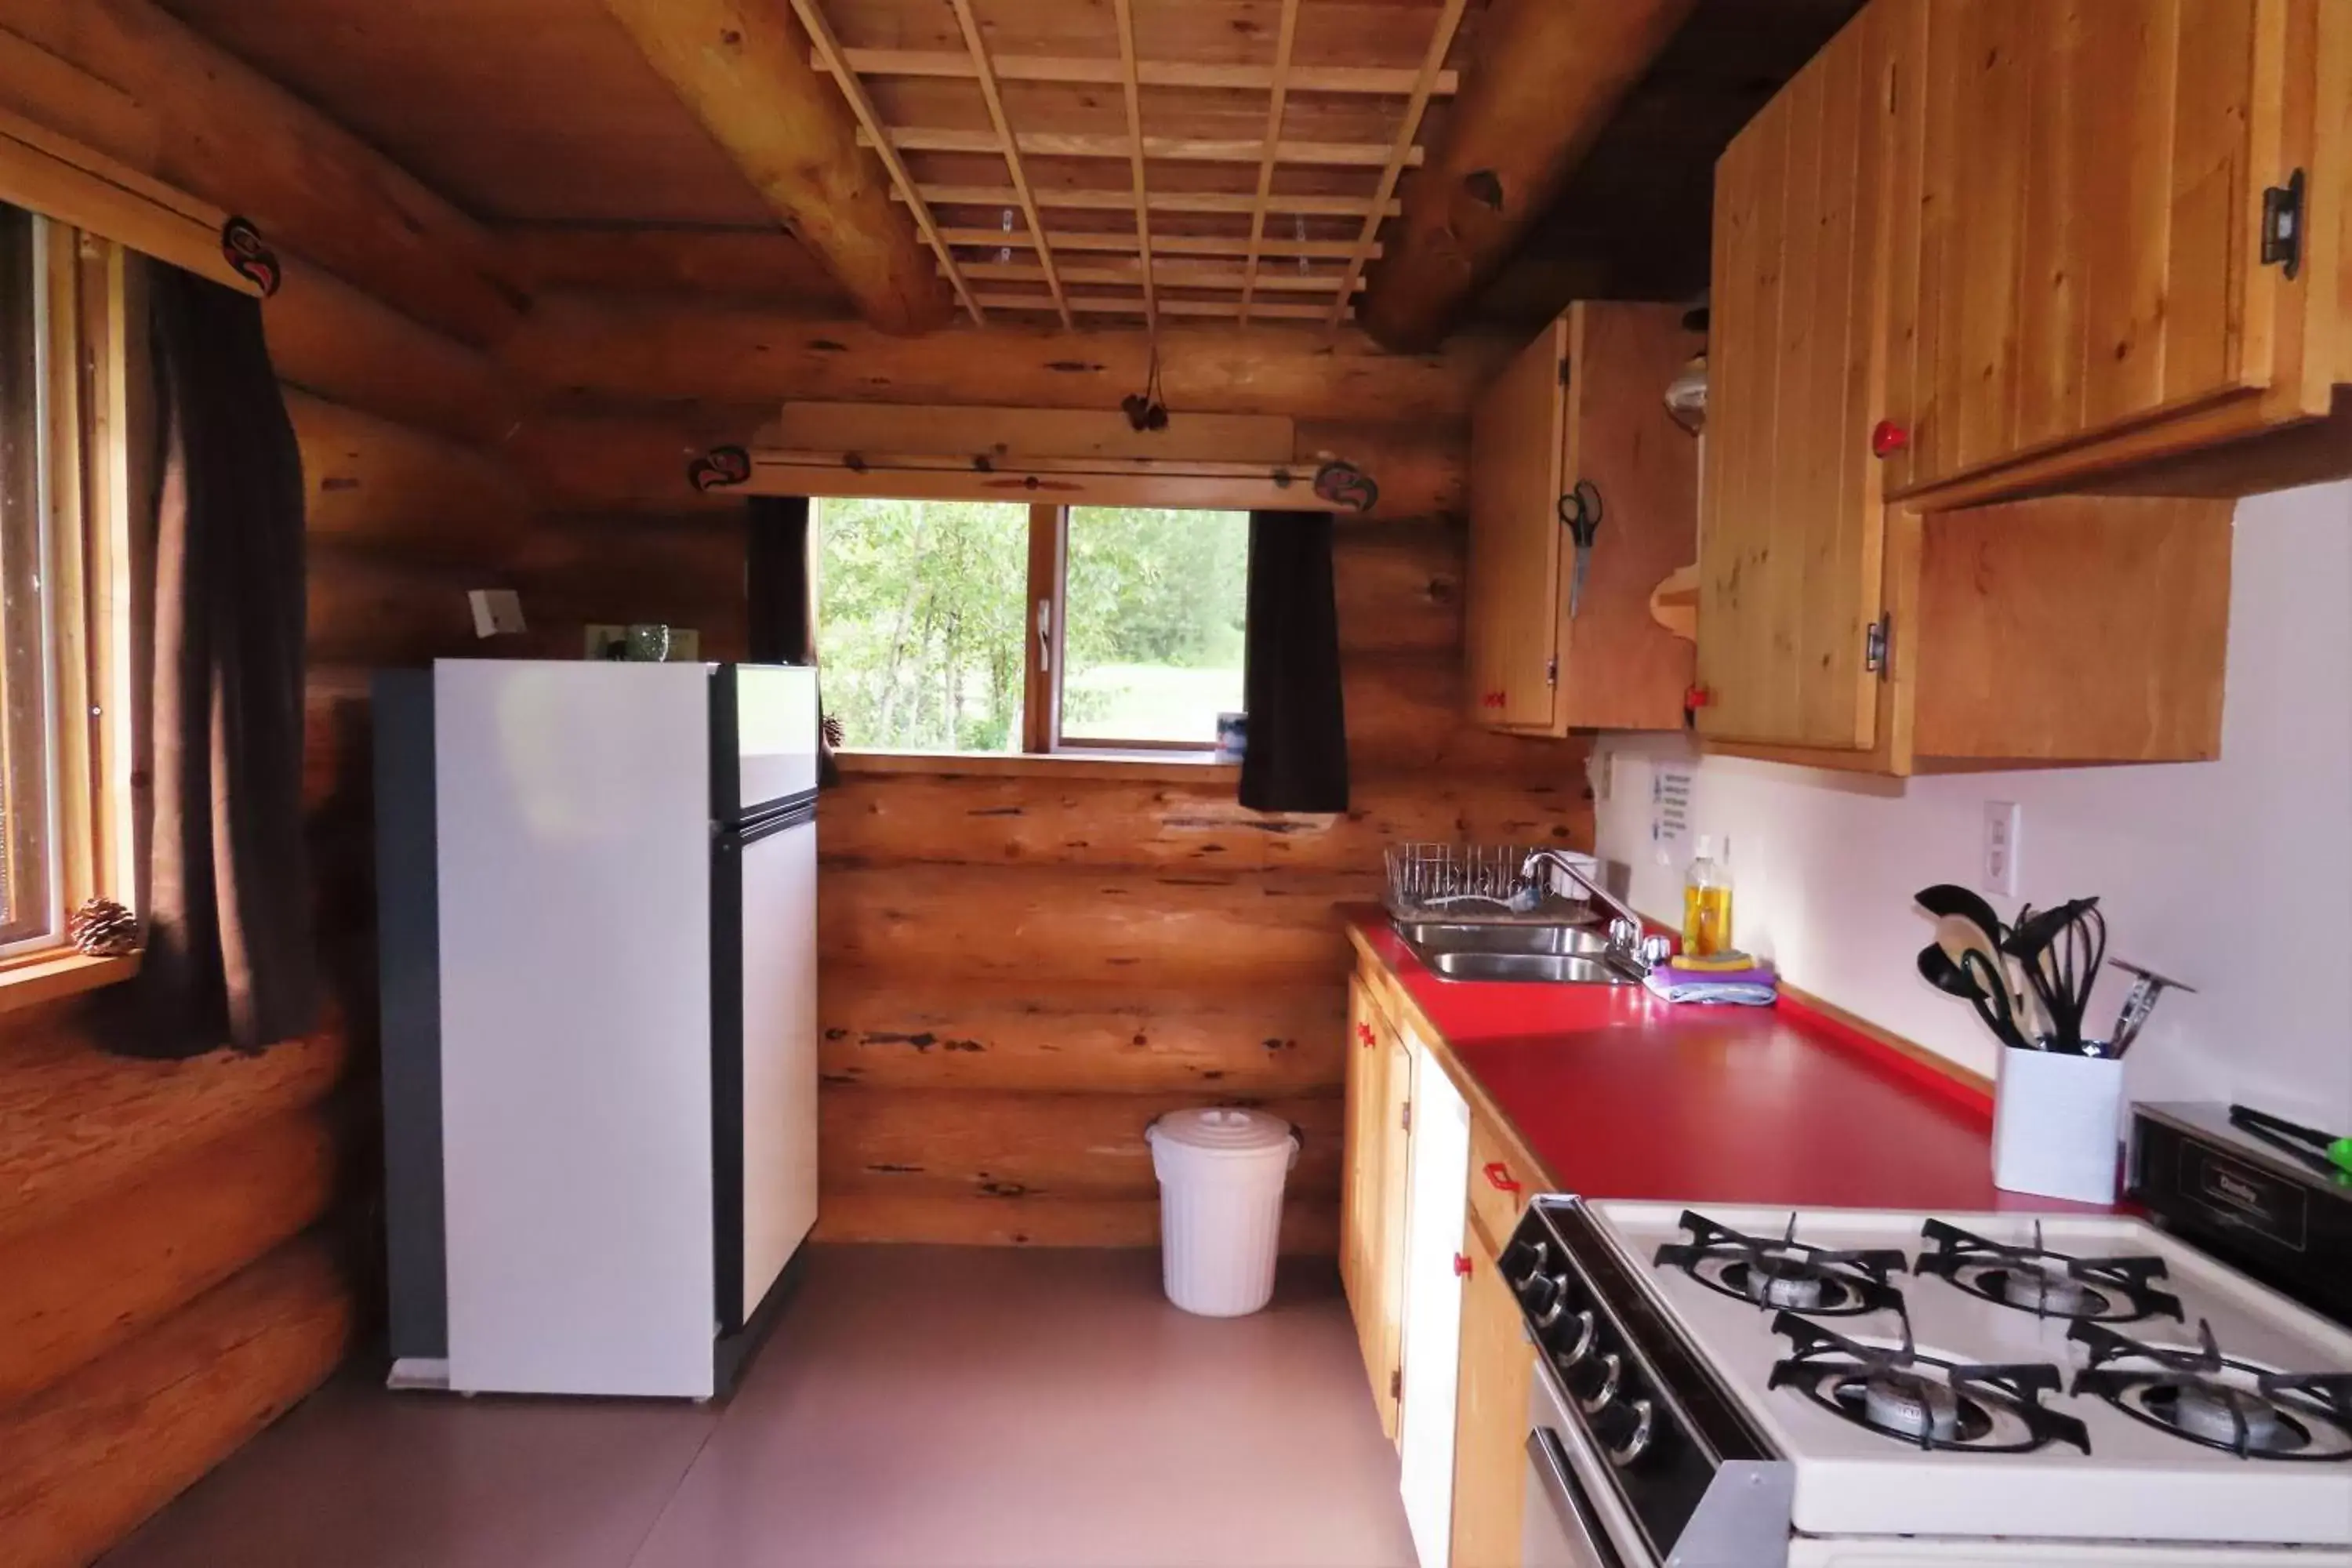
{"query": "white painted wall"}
(2235, 876)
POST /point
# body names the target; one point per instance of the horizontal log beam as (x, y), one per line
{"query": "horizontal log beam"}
(1060, 923)
(1158, 149)
(342, 344)
(369, 482)
(728, 263)
(1037, 1146)
(891, 1031)
(742, 68)
(1548, 77)
(382, 608)
(637, 349)
(1098, 71)
(1311, 1226)
(106, 1270)
(175, 106)
(78, 1122)
(84, 1462)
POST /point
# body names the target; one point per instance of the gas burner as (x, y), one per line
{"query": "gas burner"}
(1928, 1400)
(1786, 1274)
(2202, 1396)
(2047, 1284)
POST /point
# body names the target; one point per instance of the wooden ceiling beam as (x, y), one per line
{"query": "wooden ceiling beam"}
(1170, 148)
(1550, 76)
(1172, 243)
(1009, 145)
(1137, 146)
(1376, 82)
(741, 66)
(1277, 94)
(1168, 274)
(1102, 305)
(1440, 40)
(940, 196)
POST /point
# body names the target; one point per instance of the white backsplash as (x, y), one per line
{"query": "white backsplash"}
(2234, 876)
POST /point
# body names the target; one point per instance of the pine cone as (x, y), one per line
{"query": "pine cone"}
(104, 929)
(836, 736)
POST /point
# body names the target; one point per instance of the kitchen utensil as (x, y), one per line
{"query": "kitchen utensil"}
(1972, 978)
(2060, 951)
(1580, 512)
(1958, 909)
(2322, 1151)
(2139, 1003)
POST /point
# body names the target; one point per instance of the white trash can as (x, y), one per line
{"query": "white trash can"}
(1221, 1171)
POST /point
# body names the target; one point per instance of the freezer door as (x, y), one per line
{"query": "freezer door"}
(763, 723)
(766, 1073)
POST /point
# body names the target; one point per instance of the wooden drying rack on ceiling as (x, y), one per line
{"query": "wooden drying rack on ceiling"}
(1202, 262)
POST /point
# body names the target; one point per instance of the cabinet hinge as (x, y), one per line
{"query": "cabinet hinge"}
(1396, 1384)
(2282, 225)
(1874, 645)
(1563, 370)
(1551, 670)
(1404, 1116)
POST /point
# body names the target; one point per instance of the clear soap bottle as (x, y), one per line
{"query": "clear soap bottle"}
(1706, 902)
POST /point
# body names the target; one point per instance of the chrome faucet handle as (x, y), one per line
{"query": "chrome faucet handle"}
(1655, 950)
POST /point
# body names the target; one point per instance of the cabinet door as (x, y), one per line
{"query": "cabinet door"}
(1619, 669)
(2079, 251)
(1359, 1184)
(1386, 1262)
(1440, 1194)
(1511, 603)
(1490, 1420)
(1791, 531)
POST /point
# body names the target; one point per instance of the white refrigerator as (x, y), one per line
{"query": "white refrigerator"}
(600, 1081)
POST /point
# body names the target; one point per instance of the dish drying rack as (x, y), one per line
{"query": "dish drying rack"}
(1481, 884)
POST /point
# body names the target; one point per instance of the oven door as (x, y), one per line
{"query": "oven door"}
(1571, 1518)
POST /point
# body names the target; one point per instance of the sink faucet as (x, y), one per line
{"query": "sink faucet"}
(1626, 939)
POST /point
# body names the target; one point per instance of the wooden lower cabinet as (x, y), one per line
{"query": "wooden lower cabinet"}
(1374, 1193)
(1490, 1411)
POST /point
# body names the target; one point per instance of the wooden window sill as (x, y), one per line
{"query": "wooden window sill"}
(33, 981)
(1185, 767)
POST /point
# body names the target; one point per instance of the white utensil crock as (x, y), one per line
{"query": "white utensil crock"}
(2054, 1125)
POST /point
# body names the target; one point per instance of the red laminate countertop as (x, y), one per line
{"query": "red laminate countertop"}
(1623, 1095)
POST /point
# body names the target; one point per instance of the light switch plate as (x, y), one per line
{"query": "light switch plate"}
(2002, 821)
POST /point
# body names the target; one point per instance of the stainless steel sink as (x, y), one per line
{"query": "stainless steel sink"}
(1433, 936)
(1555, 968)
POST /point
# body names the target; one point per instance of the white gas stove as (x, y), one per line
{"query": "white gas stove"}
(1854, 1387)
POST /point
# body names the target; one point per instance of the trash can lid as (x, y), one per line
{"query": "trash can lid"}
(1223, 1130)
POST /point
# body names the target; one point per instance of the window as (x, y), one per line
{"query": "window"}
(983, 626)
(65, 647)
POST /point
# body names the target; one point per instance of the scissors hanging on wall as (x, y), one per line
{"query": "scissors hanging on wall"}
(1579, 513)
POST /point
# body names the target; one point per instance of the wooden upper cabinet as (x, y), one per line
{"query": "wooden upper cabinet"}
(2082, 195)
(1792, 534)
(1581, 412)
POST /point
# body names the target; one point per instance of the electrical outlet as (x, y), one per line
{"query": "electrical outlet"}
(2002, 820)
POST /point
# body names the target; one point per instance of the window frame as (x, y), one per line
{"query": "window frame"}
(90, 411)
(1043, 653)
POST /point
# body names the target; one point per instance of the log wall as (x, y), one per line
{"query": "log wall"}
(184, 1246)
(1019, 972)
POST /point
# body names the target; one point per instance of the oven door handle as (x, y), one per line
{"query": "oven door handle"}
(1568, 1501)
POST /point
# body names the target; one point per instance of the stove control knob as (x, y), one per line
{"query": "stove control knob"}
(1556, 1289)
(1638, 1444)
(1587, 1330)
(1604, 1393)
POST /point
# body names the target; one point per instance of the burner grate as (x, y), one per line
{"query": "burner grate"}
(2046, 1283)
(2202, 1396)
(1785, 1275)
(1909, 1395)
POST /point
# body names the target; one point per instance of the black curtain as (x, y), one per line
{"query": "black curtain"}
(1297, 751)
(782, 613)
(231, 944)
